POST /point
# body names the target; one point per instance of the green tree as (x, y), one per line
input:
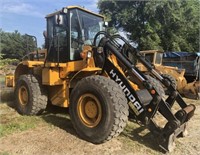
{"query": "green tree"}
(14, 45)
(168, 25)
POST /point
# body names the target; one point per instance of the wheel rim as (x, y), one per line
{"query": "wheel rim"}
(23, 95)
(89, 110)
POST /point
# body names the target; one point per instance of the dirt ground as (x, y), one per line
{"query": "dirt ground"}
(55, 135)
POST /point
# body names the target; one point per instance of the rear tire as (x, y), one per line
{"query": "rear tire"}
(98, 109)
(31, 98)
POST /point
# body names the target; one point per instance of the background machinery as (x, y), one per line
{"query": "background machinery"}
(173, 74)
(190, 61)
(85, 70)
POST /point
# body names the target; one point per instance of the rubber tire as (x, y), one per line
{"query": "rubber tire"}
(171, 79)
(37, 96)
(157, 85)
(114, 109)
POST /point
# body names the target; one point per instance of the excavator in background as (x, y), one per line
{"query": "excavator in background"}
(173, 74)
(84, 69)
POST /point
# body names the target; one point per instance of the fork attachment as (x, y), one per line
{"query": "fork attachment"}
(175, 126)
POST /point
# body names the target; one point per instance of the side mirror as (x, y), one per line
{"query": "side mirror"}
(59, 19)
(45, 34)
(105, 24)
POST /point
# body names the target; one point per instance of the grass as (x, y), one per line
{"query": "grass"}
(4, 153)
(12, 122)
(18, 124)
(2, 80)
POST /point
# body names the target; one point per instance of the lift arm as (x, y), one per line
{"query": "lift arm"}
(144, 113)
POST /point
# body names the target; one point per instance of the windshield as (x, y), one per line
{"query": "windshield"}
(84, 27)
(149, 57)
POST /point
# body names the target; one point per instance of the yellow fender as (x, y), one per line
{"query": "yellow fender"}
(20, 70)
(11, 79)
(84, 73)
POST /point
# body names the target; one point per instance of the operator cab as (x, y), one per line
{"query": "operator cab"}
(153, 56)
(68, 30)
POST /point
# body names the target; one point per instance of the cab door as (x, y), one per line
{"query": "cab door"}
(57, 38)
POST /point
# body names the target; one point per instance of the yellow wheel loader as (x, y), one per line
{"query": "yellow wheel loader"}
(173, 74)
(85, 71)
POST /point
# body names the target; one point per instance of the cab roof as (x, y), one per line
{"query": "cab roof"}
(74, 7)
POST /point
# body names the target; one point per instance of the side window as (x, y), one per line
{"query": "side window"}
(61, 36)
(158, 58)
(49, 31)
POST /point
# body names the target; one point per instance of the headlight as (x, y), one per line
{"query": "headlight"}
(89, 54)
(100, 50)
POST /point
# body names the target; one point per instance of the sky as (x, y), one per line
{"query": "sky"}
(28, 16)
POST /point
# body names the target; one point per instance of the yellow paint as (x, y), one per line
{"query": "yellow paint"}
(83, 9)
(50, 76)
(133, 85)
(75, 7)
(32, 64)
(73, 66)
(9, 81)
(113, 59)
(89, 110)
(59, 95)
(84, 54)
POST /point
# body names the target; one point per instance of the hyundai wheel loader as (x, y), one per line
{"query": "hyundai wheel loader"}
(83, 69)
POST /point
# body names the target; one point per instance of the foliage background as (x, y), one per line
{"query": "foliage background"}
(170, 25)
(14, 46)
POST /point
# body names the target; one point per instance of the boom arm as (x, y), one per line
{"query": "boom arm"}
(176, 123)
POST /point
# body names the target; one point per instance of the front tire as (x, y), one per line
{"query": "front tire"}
(31, 98)
(157, 85)
(98, 109)
(172, 80)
